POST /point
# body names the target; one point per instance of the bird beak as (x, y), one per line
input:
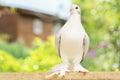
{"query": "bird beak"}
(71, 9)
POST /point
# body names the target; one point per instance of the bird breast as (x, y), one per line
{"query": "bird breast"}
(73, 33)
(72, 40)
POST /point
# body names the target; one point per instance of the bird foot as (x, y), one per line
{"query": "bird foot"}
(79, 68)
(58, 70)
(59, 74)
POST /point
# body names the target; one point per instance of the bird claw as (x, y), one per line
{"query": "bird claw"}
(51, 75)
(60, 74)
(81, 71)
(79, 68)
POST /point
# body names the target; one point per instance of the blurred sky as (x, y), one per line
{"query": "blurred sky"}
(52, 7)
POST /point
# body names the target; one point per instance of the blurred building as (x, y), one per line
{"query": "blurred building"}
(27, 19)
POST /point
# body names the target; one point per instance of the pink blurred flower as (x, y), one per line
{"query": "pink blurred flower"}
(92, 53)
(104, 44)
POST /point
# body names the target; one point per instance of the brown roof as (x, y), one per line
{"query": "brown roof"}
(45, 17)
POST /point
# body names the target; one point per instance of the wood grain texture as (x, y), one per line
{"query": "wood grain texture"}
(68, 76)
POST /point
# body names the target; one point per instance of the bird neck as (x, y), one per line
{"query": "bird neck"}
(75, 17)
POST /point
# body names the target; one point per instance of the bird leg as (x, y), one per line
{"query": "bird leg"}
(77, 66)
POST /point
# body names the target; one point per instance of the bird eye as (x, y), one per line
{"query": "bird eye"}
(76, 7)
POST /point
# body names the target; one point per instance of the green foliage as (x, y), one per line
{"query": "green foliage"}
(41, 57)
(17, 49)
(101, 19)
(104, 59)
(98, 16)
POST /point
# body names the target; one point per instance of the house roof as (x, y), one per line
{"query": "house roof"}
(59, 8)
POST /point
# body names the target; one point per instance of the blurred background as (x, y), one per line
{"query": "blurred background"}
(27, 29)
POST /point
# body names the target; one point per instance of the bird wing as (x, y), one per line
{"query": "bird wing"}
(86, 43)
(57, 42)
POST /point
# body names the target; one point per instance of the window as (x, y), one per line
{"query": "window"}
(37, 27)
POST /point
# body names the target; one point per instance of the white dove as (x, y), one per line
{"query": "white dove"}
(72, 43)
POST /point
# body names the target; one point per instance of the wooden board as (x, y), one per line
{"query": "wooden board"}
(68, 76)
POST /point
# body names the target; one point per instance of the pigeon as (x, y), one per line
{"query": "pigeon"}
(72, 43)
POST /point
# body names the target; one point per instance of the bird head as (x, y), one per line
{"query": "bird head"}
(75, 9)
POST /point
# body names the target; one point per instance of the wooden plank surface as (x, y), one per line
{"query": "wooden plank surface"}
(68, 76)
